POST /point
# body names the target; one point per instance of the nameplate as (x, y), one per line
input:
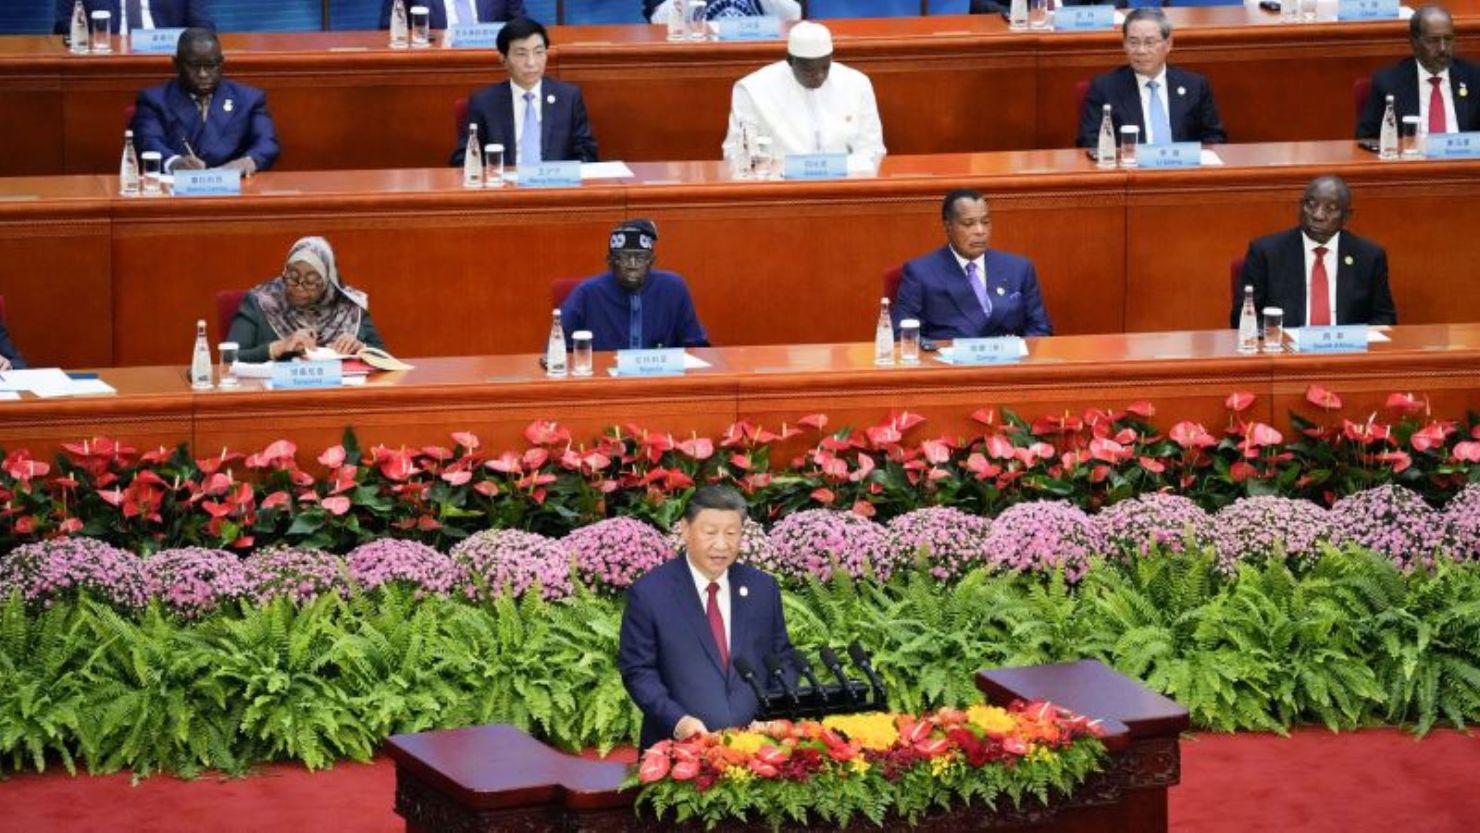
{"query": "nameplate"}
(815, 166)
(1170, 155)
(154, 41)
(1367, 10)
(988, 350)
(749, 28)
(217, 182)
(324, 374)
(473, 36)
(1453, 146)
(666, 361)
(1084, 18)
(551, 175)
(1351, 338)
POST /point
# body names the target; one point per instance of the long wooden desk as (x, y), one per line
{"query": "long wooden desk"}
(1186, 375)
(94, 279)
(945, 84)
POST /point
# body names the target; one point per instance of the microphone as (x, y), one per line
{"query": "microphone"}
(805, 668)
(747, 673)
(775, 670)
(860, 659)
(830, 661)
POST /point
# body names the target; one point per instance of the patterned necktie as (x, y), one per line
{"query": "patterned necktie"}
(465, 12)
(717, 625)
(1320, 291)
(203, 104)
(529, 140)
(634, 321)
(978, 287)
(1161, 126)
(1436, 106)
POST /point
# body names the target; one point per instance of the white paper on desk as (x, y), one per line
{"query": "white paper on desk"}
(605, 170)
(1209, 157)
(1376, 336)
(861, 165)
(45, 382)
(8, 395)
(253, 370)
(91, 387)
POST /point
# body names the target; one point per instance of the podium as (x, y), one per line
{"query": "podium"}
(497, 778)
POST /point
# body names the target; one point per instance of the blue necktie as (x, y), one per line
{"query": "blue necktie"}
(978, 287)
(1161, 126)
(634, 321)
(465, 12)
(529, 141)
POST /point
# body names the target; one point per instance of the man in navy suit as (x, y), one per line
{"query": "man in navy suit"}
(1168, 104)
(200, 120)
(967, 290)
(536, 119)
(1294, 269)
(441, 11)
(10, 357)
(1433, 84)
(142, 14)
(689, 622)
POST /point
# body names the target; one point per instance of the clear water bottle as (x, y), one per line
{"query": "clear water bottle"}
(123, 26)
(1387, 139)
(1248, 324)
(473, 160)
(400, 30)
(128, 167)
(77, 39)
(884, 336)
(1017, 14)
(1105, 148)
(555, 351)
(200, 360)
(678, 19)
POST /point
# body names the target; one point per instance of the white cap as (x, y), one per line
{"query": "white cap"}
(809, 40)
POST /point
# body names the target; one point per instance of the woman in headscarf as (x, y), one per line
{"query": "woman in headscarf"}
(305, 307)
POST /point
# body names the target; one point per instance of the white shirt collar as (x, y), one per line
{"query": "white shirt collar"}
(520, 91)
(1424, 75)
(701, 583)
(980, 260)
(1160, 78)
(1310, 245)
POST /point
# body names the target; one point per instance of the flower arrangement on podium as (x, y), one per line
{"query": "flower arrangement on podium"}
(872, 766)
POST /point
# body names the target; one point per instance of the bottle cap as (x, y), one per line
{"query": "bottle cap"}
(128, 134)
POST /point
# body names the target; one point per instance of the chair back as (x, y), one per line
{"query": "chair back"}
(892, 277)
(128, 116)
(1361, 91)
(2, 309)
(560, 289)
(227, 303)
(1081, 92)
(460, 121)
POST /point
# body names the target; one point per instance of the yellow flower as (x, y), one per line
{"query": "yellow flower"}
(991, 719)
(871, 730)
(747, 742)
(738, 774)
(938, 766)
(859, 765)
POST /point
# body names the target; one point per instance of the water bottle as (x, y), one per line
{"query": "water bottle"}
(555, 350)
(1387, 142)
(200, 360)
(1105, 149)
(123, 26)
(1017, 14)
(473, 160)
(1248, 324)
(128, 167)
(400, 31)
(677, 20)
(77, 41)
(884, 336)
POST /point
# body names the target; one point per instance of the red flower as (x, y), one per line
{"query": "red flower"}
(823, 496)
(1431, 436)
(1107, 451)
(933, 747)
(816, 421)
(1000, 447)
(544, 432)
(1014, 745)
(882, 435)
(457, 478)
(1142, 409)
(936, 451)
(1467, 452)
(978, 465)
(1403, 404)
(276, 499)
(1322, 398)
(465, 439)
(864, 509)
(1151, 464)
(1239, 402)
(698, 448)
(865, 468)
(508, 463)
(986, 416)
(335, 505)
(655, 765)
(685, 770)
(333, 457)
(1399, 460)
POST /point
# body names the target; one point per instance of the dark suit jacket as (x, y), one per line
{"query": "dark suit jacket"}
(670, 662)
(254, 335)
(565, 132)
(1003, 7)
(934, 290)
(165, 118)
(489, 11)
(1191, 111)
(167, 14)
(1401, 82)
(9, 350)
(1275, 267)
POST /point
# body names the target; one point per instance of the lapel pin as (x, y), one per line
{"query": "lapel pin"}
(744, 591)
(1001, 291)
(1181, 91)
(1463, 90)
(1348, 260)
(549, 99)
(228, 105)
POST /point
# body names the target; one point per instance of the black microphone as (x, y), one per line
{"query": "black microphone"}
(747, 673)
(860, 659)
(830, 661)
(778, 673)
(805, 668)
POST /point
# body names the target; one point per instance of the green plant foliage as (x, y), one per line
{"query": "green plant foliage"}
(41, 690)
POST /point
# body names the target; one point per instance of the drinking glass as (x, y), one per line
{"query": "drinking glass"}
(153, 166)
(1410, 137)
(493, 166)
(1130, 136)
(909, 341)
(421, 23)
(102, 24)
(228, 351)
(697, 28)
(580, 356)
(1037, 14)
(760, 161)
(1274, 330)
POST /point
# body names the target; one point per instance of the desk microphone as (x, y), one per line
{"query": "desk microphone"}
(778, 673)
(860, 659)
(805, 668)
(830, 661)
(747, 673)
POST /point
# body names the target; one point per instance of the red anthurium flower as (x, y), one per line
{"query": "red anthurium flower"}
(112, 497)
(1261, 434)
(814, 421)
(25, 524)
(437, 452)
(770, 755)
(1431, 435)
(685, 770)
(335, 505)
(544, 432)
(70, 526)
(978, 466)
(1014, 745)
(1399, 460)
(333, 457)
(914, 731)
(1467, 452)
(1191, 435)
(466, 440)
(216, 484)
(1151, 464)
(457, 478)
(1000, 447)
(1239, 402)
(986, 416)
(535, 457)
(882, 435)
(864, 509)
(933, 747)
(1107, 451)
(905, 420)
(760, 768)
(488, 488)
(936, 451)
(699, 448)
(1241, 471)
(865, 468)
(216, 510)
(740, 461)
(1322, 398)
(159, 455)
(655, 765)
(210, 465)
(1142, 409)
(1404, 404)
(398, 465)
(276, 499)
(1126, 436)
(823, 496)
(507, 463)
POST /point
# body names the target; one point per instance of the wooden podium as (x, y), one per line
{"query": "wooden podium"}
(497, 778)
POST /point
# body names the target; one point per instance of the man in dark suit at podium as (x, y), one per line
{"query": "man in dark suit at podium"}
(1319, 274)
(142, 14)
(1433, 84)
(439, 12)
(1169, 104)
(689, 621)
(535, 118)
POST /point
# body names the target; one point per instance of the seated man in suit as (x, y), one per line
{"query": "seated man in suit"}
(1319, 274)
(1433, 84)
(688, 622)
(444, 14)
(201, 120)
(142, 14)
(536, 119)
(10, 357)
(1168, 104)
(966, 290)
(657, 11)
(633, 306)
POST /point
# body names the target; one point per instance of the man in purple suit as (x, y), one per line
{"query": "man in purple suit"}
(535, 118)
(201, 120)
(444, 13)
(142, 14)
(689, 622)
(966, 289)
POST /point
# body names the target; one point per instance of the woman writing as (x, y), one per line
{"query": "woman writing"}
(303, 308)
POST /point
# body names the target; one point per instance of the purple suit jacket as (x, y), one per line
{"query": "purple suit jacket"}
(165, 119)
(934, 291)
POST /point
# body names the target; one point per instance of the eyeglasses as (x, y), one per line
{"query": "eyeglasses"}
(1135, 45)
(636, 258)
(295, 282)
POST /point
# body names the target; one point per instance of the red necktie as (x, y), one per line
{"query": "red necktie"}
(1320, 292)
(1436, 106)
(717, 625)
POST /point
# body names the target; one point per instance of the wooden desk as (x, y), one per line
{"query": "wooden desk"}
(945, 84)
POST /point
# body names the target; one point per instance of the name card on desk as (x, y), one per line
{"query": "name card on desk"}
(988, 350)
(472, 36)
(324, 374)
(1453, 146)
(154, 41)
(1084, 18)
(551, 175)
(749, 28)
(815, 166)
(1351, 338)
(1170, 155)
(665, 361)
(1367, 10)
(217, 182)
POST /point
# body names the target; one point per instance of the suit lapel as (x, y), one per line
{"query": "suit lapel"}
(1346, 279)
(1131, 91)
(224, 109)
(739, 612)
(687, 599)
(1460, 84)
(1292, 300)
(958, 288)
(503, 102)
(186, 114)
(546, 106)
(1176, 101)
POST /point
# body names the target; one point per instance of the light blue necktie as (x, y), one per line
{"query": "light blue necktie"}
(978, 287)
(1161, 126)
(465, 12)
(529, 141)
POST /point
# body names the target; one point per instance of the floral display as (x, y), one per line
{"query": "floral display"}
(47, 571)
(1462, 522)
(194, 581)
(1256, 528)
(1170, 522)
(611, 554)
(948, 540)
(1044, 536)
(818, 541)
(516, 560)
(300, 575)
(394, 560)
(1391, 520)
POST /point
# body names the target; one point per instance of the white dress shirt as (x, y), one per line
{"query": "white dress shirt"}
(841, 116)
(1148, 136)
(146, 17)
(1310, 264)
(539, 112)
(1424, 91)
(723, 596)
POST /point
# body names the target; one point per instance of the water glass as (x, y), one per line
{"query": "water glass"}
(493, 166)
(1307, 10)
(152, 166)
(1410, 138)
(1289, 11)
(760, 160)
(909, 341)
(1038, 14)
(421, 25)
(697, 28)
(580, 354)
(102, 25)
(1274, 330)
(1130, 136)
(228, 351)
